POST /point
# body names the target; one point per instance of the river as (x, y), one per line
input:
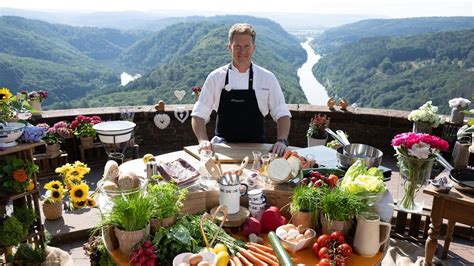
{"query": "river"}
(314, 91)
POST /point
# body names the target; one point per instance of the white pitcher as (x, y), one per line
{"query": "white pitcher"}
(367, 239)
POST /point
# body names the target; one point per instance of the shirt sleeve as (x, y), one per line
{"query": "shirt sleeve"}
(205, 104)
(276, 101)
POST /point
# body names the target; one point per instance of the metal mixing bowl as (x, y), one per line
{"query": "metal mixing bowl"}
(345, 160)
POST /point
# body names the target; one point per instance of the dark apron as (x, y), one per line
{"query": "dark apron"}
(238, 116)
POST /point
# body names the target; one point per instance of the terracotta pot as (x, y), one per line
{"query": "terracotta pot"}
(307, 219)
(155, 225)
(53, 211)
(87, 142)
(128, 239)
(53, 150)
(168, 221)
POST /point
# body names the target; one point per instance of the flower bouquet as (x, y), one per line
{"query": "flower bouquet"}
(427, 113)
(76, 188)
(415, 153)
(196, 92)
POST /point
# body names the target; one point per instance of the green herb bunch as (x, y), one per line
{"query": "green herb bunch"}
(27, 255)
(12, 232)
(129, 213)
(339, 205)
(305, 199)
(168, 199)
(25, 215)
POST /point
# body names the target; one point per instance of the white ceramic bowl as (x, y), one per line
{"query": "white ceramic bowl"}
(207, 256)
(292, 247)
(121, 131)
(10, 133)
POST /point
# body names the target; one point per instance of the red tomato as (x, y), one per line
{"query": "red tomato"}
(323, 240)
(332, 180)
(345, 250)
(338, 236)
(340, 261)
(325, 262)
(315, 248)
(325, 252)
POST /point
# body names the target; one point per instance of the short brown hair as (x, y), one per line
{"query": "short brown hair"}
(242, 28)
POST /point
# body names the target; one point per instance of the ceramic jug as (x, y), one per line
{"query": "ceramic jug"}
(367, 239)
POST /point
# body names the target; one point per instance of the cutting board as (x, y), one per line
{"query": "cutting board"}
(234, 152)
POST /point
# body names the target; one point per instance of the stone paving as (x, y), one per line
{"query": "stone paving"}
(76, 226)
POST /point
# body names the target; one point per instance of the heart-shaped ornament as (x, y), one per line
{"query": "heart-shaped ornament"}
(181, 115)
(162, 120)
(179, 94)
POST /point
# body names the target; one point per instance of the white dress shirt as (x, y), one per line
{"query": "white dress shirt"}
(267, 90)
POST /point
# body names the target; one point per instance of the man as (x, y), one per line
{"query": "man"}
(242, 93)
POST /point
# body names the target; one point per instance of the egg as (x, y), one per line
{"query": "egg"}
(299, 237)
(281, 233)
(287, 227)
(290, 238)
(203, 263)
(308, 233)
(301, 228)
(195, 259)
(293, 232)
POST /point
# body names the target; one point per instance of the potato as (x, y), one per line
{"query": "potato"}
(195, 259)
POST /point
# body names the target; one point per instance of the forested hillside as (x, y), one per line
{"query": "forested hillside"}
(333, 38)
(402, 73)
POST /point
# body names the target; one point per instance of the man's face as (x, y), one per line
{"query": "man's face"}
(242, 49)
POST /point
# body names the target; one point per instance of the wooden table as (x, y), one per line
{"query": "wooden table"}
(453, 206)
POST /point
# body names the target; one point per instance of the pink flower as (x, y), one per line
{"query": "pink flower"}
(404, 142)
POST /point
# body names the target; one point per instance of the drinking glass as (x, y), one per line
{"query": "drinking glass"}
(206, 181)
(256, 161)
(265, 163)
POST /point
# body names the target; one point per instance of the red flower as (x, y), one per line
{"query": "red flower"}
(20, 175)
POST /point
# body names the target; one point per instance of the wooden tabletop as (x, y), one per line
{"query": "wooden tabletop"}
(453, 195)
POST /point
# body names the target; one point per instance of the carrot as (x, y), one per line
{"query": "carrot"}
(231, 263)
(262, 247)
(261, 252)
(263, 258)
(287, 154)
(236, 260)
(294, 153)
(244, 261)
(252, 258)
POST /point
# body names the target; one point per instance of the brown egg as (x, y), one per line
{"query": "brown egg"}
(308, 233)
(195, 259)
(299, 237)
(301, 228)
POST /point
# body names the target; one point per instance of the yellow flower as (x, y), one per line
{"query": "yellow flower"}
(91, 202)
(63, 170)
(79, 192)
(81, 168)
(56, 195)
(5, 95)
(55, 184)
(79, 204)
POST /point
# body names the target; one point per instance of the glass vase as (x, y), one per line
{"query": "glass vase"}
(414, 176)
(457, 116)
(422, 127)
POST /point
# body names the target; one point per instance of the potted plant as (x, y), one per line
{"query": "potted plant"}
(54, 136)
(82, 127)
(304, 205)
(12, 233)
(52, 200)
(129, 217)
(169, 200)
(316, 133)
(16, 175)
(27, 255)
(338, 209)
(425, 118)
(11, 106)
(458, 105)
(35, 98)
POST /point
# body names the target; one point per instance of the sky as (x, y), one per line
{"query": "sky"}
(389, 8)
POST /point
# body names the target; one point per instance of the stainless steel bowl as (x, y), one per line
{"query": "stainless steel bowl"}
(345, 160)
(362, 151)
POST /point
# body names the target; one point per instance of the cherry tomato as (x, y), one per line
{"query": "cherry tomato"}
(332, 180)
(323, 240)
(338, 236)
(341, 261)
(315, 248)
(345, 250)
(325, 252)
(325, 262)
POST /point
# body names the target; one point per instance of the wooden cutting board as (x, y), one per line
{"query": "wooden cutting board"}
(234, 152)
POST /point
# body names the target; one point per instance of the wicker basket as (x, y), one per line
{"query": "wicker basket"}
(52, 211)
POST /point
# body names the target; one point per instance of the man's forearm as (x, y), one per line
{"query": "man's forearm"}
(199, 128)
(283, 127)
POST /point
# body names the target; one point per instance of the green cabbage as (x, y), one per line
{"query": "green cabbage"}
(360, 180)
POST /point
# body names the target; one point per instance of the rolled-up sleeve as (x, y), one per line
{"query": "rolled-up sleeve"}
(276, 101)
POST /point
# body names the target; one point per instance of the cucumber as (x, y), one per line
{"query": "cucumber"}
(283, 257)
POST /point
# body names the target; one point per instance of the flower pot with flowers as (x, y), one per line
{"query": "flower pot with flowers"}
(52, 200)
(459, 106)
(196, 92)
(82, 127)
(11, 108)
(425, 118)
(16, 175)
(35, 98)
(316, 133)
(74, 185)
(54, 136)
(416, 153)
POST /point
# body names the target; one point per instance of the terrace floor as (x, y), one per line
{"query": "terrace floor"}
(71, 232)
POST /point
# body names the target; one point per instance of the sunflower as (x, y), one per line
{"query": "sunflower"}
(79, 204)
(55, 184)
(5, 95)
(79, 192)
(56, 195)
(81, 168)
(63, 170)
(91, 202)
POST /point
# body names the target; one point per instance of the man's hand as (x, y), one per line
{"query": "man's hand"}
(279, 148)
(205, 145)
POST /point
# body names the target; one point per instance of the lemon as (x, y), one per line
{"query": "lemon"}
(30, 186)
(222, 258)
(220, 247)
(148, 157)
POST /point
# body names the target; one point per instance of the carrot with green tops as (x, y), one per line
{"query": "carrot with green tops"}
(262, 247)
(244, 260)
(252, 258)
(263, 258)
(236, 261)
(261, 252)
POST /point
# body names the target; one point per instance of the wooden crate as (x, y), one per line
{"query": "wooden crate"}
(47, 165)
(93, 155)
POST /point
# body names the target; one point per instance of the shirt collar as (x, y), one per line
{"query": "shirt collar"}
(235, 69)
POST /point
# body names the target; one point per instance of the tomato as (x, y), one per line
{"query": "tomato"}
(341, 261)
(325, 252)
(332, 180)
(323, 240)
(345, 250)
(325, 262)
(315, 248)
(338, 236)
